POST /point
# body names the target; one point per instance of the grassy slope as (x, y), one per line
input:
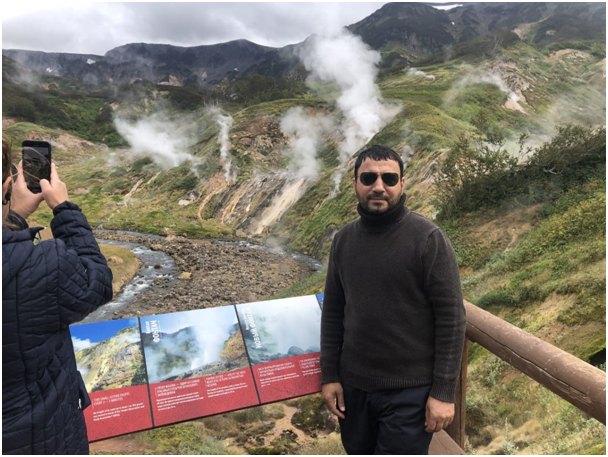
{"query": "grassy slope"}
(558, 293)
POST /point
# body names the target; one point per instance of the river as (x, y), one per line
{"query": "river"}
(230, 261)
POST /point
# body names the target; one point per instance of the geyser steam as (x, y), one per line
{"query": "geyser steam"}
(477, 77)
(306, 132)
(344, 59)
(225, 122)
(164, 140)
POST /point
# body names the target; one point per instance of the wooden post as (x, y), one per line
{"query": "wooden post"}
(456, 428)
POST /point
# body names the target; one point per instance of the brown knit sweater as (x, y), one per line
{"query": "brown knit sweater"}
(393, 315)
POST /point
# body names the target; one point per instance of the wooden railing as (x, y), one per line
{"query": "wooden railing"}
(575, 381)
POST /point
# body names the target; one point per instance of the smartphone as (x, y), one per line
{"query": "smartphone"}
(36, 163)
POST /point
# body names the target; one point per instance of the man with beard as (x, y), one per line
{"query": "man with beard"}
(393, 322)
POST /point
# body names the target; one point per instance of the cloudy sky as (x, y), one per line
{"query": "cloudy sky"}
(95, 28)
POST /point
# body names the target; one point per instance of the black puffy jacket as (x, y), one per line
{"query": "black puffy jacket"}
(45, 288)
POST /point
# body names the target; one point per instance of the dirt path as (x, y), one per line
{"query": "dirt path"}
(280, 427)
(285, 424)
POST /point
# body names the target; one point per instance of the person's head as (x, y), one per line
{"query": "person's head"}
(378, 180)
(6, 177)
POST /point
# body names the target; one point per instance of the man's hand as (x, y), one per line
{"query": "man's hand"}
(334, 395)
(439, 415)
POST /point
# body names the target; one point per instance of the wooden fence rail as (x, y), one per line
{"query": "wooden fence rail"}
(574, 380)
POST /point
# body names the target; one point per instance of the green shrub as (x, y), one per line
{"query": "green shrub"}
(180, 439)
(312, 413)
(573, 147)
(478, 173)
(586, 218)
(589, 306)
(475, 174)
(139, 164)
(116, 185)
(186, 184)
(246, 416)
(263, 451)
(500, 297)
(118, 172)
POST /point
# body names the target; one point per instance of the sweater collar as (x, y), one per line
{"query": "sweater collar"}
(380, 221)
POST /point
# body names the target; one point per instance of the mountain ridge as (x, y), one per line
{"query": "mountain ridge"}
(416, 30)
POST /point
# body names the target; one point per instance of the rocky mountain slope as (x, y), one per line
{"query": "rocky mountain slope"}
(412, 30)
(113, 363)
(163, 64)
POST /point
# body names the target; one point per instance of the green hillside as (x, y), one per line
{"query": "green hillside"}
(508, 153)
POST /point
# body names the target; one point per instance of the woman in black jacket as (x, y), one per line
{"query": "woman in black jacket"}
(45, 287)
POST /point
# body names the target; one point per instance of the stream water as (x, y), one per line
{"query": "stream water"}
(150, 271)
(145, 277)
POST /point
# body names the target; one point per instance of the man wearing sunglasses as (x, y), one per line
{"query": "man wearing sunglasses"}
(393, 321)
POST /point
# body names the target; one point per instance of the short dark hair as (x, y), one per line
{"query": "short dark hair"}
(379, 152)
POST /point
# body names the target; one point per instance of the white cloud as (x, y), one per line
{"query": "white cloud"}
(97, 27)
(80, 345)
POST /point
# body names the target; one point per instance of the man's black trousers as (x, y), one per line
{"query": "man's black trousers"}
(385, 422)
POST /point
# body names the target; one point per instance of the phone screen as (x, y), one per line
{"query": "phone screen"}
(36, 164)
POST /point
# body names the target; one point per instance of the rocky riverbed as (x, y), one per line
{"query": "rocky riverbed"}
(210, 274)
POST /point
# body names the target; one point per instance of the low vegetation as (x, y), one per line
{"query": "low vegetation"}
(123, 263)
(523, 204)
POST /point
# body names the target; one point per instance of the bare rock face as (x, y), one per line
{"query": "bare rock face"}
(112, 363)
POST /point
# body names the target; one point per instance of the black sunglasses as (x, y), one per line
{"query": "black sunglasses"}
(368, 178)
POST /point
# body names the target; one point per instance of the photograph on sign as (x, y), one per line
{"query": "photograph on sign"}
(283, 338)
(192, 344)
(110, 360)
(197, 364)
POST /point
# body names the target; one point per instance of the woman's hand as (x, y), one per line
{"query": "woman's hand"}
(23, 201)
(54, 192)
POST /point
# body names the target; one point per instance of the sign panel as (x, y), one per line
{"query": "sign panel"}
(157, 370)
(283, 338)
(110, 359)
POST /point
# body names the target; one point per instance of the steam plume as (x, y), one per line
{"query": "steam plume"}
(344, 59)
(306, 132)
(164, 140)
(407, 152)
(225, 122)
(413, 72)
(478, 77)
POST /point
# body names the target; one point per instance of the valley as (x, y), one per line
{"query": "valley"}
(499, 118)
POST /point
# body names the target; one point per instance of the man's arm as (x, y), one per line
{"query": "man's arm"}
(442, 286)
(332, 332)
